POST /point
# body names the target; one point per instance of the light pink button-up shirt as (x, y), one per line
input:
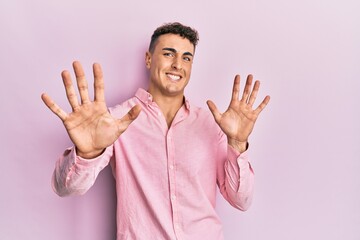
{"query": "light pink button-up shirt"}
(166, 178)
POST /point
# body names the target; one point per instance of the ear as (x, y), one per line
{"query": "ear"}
(148, 59)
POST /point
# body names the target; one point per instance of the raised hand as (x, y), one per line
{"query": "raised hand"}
(90, 126)
(239, 119)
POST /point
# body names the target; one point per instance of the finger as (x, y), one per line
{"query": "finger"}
(98, 83)
(236, 88)
(81, 82)
(70, 90)
(133, 113)
(215, 112)
(254, 93)
(126, 120)
(53, 107)
(247, 88)
(262, 105)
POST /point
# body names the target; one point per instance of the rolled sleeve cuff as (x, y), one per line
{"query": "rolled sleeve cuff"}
(239, 169)
(83, 164)
(237, 158)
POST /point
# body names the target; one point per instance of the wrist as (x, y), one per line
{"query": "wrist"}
(89, 155)
(240, 146)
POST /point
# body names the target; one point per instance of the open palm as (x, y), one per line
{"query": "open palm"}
(90, 126)
(238, 121)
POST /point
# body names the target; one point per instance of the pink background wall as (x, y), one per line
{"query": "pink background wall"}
(305, 147)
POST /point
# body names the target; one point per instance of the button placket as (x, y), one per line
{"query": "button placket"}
(172, 181)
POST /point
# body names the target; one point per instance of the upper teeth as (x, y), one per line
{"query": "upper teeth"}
(173, 77)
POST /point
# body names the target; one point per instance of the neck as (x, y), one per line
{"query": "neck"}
(169, 105)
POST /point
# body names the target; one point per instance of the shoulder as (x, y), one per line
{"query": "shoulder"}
(121, 109)
(201, 112)
(202, 120)
(203, 117)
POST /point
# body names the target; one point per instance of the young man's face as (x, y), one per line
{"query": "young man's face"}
(170, 65)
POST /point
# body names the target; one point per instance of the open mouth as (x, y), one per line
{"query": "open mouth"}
(173, 77)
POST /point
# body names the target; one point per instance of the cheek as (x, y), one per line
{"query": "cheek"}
(188, 70)
(160, 65)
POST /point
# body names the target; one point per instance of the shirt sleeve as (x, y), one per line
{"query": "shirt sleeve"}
(74, 175)
(236, 178)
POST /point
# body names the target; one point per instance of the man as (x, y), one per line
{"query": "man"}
(167, 155)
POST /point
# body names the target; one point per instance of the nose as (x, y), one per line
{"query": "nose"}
(176, 64)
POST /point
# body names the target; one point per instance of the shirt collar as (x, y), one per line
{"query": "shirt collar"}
(147, 98)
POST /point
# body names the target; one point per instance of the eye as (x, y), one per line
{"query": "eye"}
(188, 59)
(168, 54)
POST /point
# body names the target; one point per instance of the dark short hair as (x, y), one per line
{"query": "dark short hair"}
(174, 28)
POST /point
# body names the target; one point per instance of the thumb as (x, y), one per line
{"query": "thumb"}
(213, 109)
(134, 112)
(131, 115)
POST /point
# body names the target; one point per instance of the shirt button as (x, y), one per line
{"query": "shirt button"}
(177, 226)
(171, 167)
(173, 197)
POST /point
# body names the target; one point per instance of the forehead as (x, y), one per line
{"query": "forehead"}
(175, 41)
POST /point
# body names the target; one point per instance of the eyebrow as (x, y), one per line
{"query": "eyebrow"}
(174, 51)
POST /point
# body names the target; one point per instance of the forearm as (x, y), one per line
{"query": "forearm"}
(74, 175)
(239, 179)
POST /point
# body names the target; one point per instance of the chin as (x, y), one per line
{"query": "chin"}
(172, 91)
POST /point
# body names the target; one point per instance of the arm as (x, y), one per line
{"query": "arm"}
(91, 128)
(74, 175)
(235, 176)
(236, 179)
(237, 122)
